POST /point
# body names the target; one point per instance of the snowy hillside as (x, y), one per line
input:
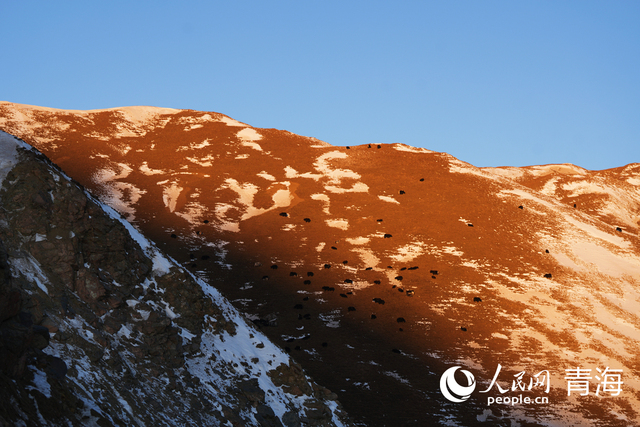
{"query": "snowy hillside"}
(379, 267)
(100, 328)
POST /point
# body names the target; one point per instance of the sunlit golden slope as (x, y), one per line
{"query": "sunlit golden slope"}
(380, 266)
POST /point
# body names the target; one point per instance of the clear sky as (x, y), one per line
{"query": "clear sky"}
(491, 82)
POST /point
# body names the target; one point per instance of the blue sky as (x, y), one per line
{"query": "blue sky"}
(491, 82)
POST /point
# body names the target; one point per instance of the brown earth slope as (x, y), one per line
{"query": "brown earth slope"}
(380, 266)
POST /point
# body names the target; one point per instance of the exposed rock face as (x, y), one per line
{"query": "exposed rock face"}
(99, 328)
(379, 267)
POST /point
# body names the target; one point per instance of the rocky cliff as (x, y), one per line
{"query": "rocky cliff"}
(98, 327)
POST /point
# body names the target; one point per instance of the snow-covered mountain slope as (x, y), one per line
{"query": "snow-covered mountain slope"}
(380, 266)
(98, 327)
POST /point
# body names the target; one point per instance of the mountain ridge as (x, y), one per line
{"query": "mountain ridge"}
(385, 262)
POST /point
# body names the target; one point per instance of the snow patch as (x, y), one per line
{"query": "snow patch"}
(340, 223)
(595, 232)
(367, 256)
(231, 122)
(506, 172)
(193, 212)
(225, 223)
(606, 261)
(248, 138)
(358, 240)
(292, 173)
(161, 265)
(634, 181)
(397, 377)
(549, 188)
(205, 162)
(247, 191)
(388, 199)
(458, 166)
(41, 383)
(119, 195)
(195, 145)
(410, 149)
(331, 319)
(336, 175)
(580, 187)
(409, 252)
(8, 154)
(563, 169)
(145, 169)
(266, 176)
(30, 267)
(324, 198)
(170, 194)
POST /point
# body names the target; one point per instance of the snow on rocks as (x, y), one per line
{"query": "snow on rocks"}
(118, 348)
(8, 148)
